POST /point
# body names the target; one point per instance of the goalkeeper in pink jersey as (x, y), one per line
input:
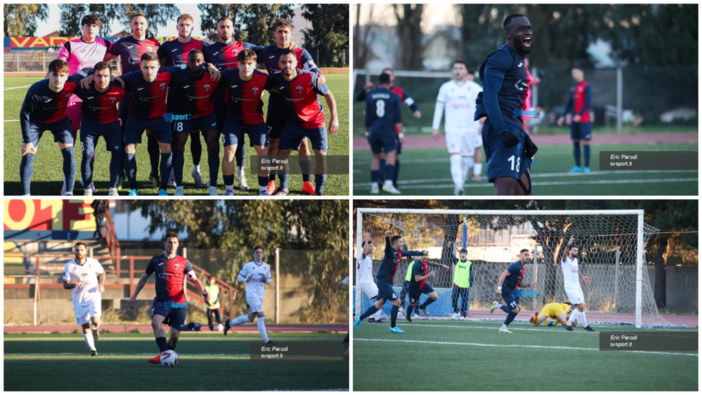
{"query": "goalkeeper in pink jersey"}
(80, 53)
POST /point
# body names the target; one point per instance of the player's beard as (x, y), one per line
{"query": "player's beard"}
(224, 38)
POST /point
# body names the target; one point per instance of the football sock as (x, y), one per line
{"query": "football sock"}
(154, 151)
(166, 169)
(26, 170)
(477, 169)
(262, 328)
(89, 339)
(196, 148)
(382, 170)
(130, 166)
(389, 172)
(466, 164)
(375, 176)
(69, 168)
(162, 344)
(456, 171)
(239, 320)
(410, 308)
(504, 326)
(371, 310)
(284, 180)
(576, 153)
(586, 151)
(115, 168)
(86, 168)
(197, 168)
(572, 318)
(228, 181)
(178, 163)
(213, 163)
(427, 303)
(396, 173)
(262, 183)
(319, 180)
(510, 318)
(583, 319)
(306, 166)
(393, 315)
(506, 309)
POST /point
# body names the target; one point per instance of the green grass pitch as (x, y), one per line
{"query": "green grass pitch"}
(473, 356)
(48, 173)
(427, 172)
(207, 362)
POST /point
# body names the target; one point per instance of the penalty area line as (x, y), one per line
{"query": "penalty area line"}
(518, 346)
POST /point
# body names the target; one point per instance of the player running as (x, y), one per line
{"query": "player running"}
(170, 304)
(385, 279)
(175, 53)
(245, 87)
(80, 53)
(580, 127)
(100, 119)
(418, 285)
(571, 283)
(276, 103)
(256, 274)
(409, 102)
(554, 311)
(383, 123)
(44, 108)
(194, 111)
(305, 116)
(510, 279)
(462, 136)
(508, 149)
(130, 50)
(365, 274)
(80, 276)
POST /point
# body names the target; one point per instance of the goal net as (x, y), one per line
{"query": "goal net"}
(611, 245)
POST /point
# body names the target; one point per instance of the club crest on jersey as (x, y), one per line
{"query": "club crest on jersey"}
(67, 96)
(112, 100)
(298, 89)
(176, 266)
(206, 88)
(235, 52)
(148, 49)
(162, 86)
(254, 90)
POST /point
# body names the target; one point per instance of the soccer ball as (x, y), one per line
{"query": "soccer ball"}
(575, 323)
(218, 328)
(169, 358)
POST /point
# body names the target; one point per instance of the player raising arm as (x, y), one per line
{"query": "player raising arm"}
(256, 274)
(418, 285)
(80, 276)
(170, 304)
(510, 279)
(365, 274)
(571, 283)
(385, 279)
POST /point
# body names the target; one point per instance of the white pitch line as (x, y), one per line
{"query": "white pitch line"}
(12, 120)
(518, 346)
(17, 87)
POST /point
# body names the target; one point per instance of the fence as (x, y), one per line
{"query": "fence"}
(35, 62)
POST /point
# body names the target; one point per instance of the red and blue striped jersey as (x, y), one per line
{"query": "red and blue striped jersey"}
(130, 50)
(304, 108)
(270, 55)
(148, 99)
(195, 93)
(170, 277)
(100, 107)
(223, 57)
(245, 105)
(43, 104)
(175, 53)
(579, 100)
(516, 274)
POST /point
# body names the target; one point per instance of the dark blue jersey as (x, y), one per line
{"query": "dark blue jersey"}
(388, 268)
(194, 92)
(175, 53)
(419, 268)
(404, 98)
(130, 50)
(223, 57)
(149, 98)
(505, 88)
(100, 106)
(170, 277)
(43, 104)
(516, 274)
(382, 111)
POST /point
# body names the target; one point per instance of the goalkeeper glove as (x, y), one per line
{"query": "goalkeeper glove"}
(509, 139)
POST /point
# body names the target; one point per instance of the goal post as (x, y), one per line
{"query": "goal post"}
(611, 244)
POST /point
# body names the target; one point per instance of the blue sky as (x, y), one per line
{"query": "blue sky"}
(52, 24)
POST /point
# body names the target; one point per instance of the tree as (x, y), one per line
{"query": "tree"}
(71, 15)
(21, 19)
(252, 22)
(409, 33)
(329, 33)
(360, 38)
(158, 15)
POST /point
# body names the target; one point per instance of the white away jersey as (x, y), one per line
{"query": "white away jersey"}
(86, 292)
(255, 289)
(570, 273)
(459, 105)
(365, 268)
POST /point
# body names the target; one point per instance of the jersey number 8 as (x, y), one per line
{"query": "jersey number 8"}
(179, 126)
(380, 108)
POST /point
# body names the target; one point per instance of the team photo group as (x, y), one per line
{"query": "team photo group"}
(162, 93)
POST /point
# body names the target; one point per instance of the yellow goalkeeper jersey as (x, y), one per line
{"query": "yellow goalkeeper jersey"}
(553, 310)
